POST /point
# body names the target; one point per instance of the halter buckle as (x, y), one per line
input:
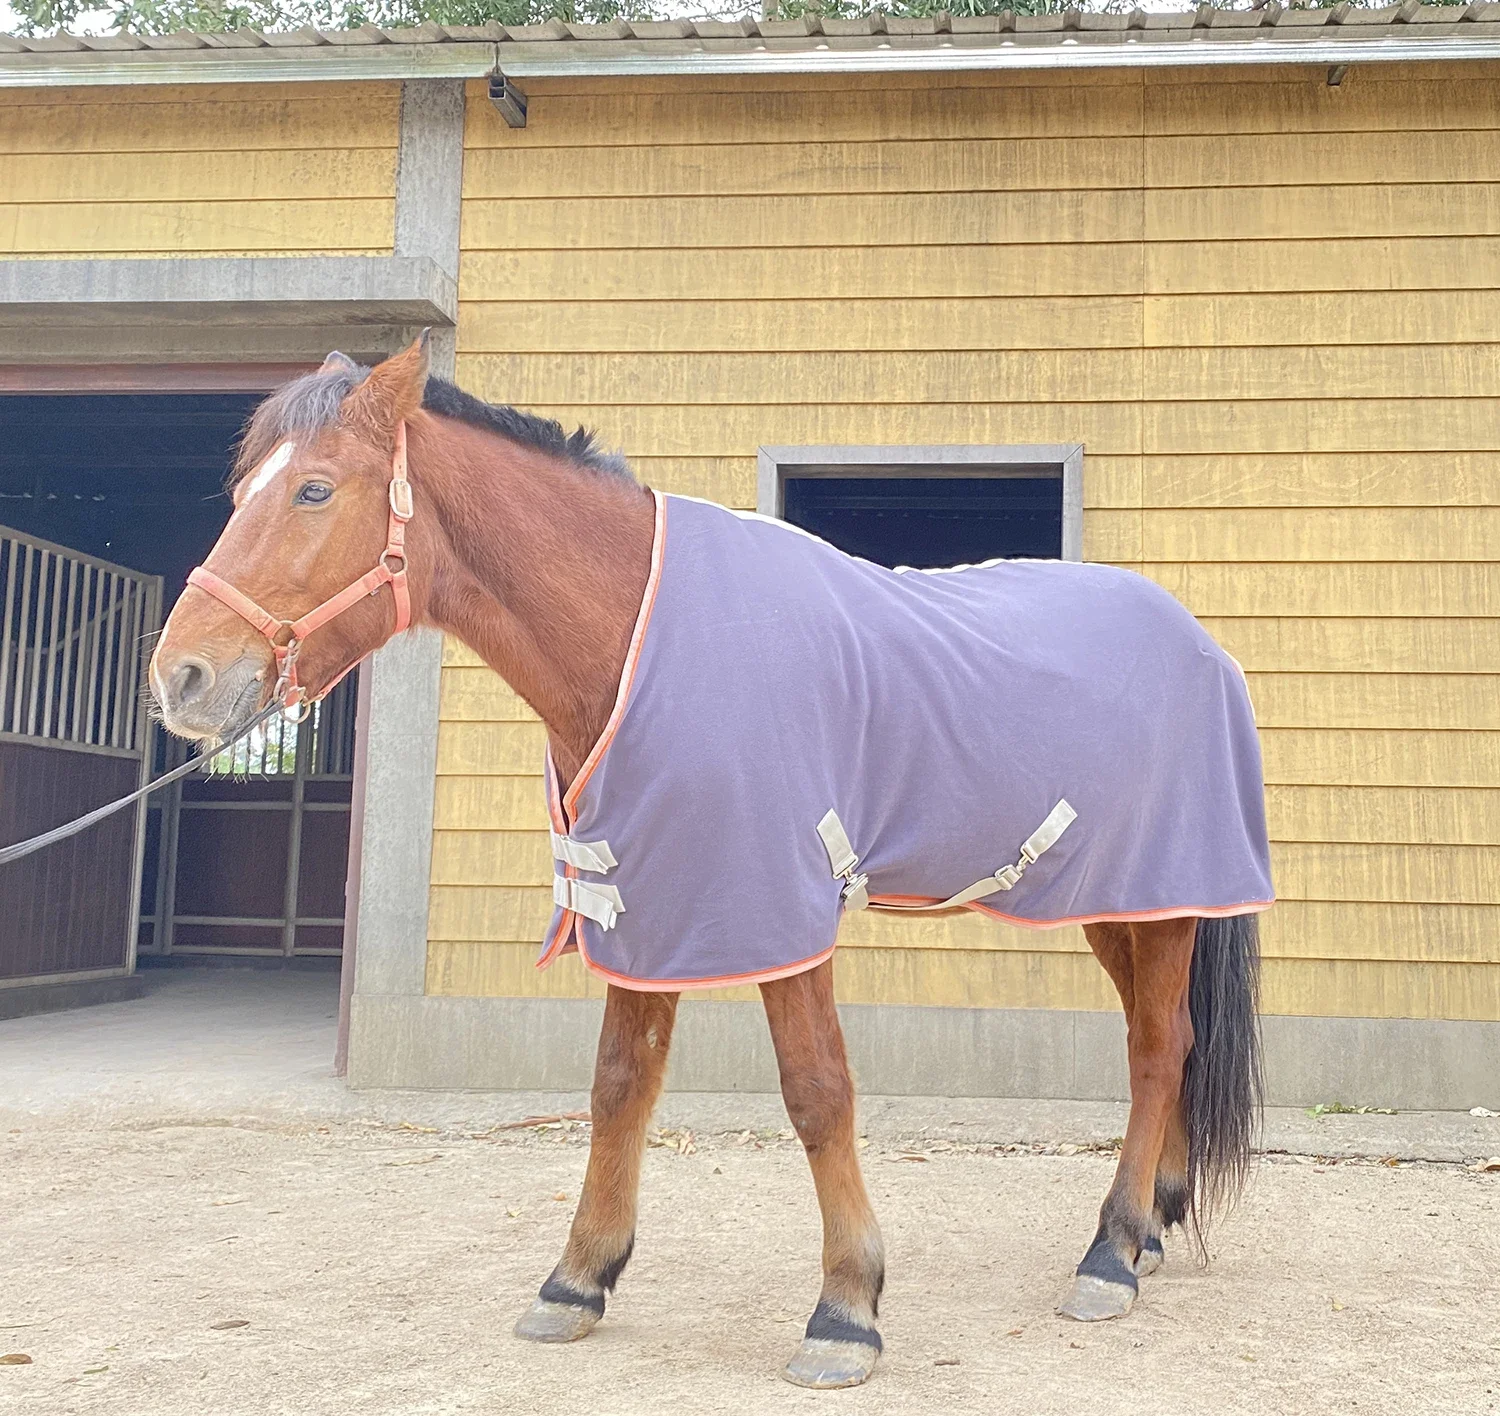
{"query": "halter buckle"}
(402, 506)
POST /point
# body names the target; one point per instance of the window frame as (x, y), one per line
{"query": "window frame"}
(1061, 460)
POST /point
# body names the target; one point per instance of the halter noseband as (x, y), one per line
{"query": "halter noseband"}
(291, 693)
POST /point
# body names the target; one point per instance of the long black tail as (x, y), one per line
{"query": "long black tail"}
(1221, 1083)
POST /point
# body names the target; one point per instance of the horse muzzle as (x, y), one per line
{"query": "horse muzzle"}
(204, 702)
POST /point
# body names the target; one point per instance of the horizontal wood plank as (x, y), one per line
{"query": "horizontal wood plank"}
(1359, 646)
(238, 119)
(1347, 317)
(633, 118)
(840, 272)
(1386, 816)
(993, 218)
(1346, 372)
(685, 380)
(1374, 159)
(516, 803)
(1308, 479)
(1380, 757)
(490, 323)
(1431, 423)
(1376, 872)
(490, 749)
(1307, 104)
(1381, 700)
(1374, 263)
(665, 169)
(138, 228)
(1268, 535)
(1468, 208)
(272, 177)
(1438, 589)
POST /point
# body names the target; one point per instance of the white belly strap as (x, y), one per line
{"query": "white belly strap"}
(856, 896)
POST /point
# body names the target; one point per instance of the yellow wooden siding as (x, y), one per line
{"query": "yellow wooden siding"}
(1288, 382)
(293, 169)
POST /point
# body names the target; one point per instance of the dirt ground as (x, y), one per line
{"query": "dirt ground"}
(219, 1268)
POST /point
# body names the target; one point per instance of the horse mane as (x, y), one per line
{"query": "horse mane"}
(311, 403)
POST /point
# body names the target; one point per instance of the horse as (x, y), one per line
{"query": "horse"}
(369, 500)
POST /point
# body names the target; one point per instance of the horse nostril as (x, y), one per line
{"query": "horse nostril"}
(191, 679)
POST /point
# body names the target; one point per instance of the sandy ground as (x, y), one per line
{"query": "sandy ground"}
(376, 1269)
(196, 1218)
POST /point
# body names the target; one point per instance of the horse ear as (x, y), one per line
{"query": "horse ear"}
(393, 391)
(337, 363)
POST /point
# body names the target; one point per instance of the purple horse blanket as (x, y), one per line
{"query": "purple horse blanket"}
(799, 732)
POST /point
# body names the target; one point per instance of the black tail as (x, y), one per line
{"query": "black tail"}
(1221, 1083)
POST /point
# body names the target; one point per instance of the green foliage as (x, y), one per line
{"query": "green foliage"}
(164, 16)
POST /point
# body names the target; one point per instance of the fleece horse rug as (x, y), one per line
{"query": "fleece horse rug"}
(799, 732)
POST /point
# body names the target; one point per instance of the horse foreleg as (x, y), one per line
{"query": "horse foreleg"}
(1160, 1035)
(842, 1343)
(627, 1081)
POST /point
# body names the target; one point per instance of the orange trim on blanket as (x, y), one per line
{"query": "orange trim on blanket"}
(632, 660)
(1121, 917)
(677, 985)
(560, 809)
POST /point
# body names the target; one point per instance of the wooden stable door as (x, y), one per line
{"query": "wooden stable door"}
(249, 856)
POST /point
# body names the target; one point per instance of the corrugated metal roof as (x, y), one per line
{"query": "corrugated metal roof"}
(1269, 33)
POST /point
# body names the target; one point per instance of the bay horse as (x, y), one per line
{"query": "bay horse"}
(366, 501)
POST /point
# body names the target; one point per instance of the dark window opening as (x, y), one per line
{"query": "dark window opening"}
(927, 522)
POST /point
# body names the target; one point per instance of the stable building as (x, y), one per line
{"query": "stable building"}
(1214, 295)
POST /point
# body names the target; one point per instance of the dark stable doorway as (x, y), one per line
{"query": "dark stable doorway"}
(926, 522)
(249, 857)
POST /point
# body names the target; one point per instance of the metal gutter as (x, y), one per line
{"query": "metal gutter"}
(811, 54)
(320, 64)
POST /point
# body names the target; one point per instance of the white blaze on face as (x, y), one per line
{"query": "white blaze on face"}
(265, 472)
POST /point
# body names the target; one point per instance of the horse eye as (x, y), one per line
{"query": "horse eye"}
(314, 494)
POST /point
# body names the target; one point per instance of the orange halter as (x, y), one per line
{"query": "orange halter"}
(291, 693)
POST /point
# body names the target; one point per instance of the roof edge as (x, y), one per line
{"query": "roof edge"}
(810, 54)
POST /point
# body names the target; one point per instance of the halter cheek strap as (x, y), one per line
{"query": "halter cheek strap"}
(291, 693)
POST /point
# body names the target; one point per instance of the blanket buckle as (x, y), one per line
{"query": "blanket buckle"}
(842, 860)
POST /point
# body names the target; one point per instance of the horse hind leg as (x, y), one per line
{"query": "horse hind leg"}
(1171, 1205)
(628, 1075)
(1159, 1038)
(842, 1343)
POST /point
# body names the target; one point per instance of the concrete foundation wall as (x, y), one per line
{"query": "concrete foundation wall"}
(548, 1045)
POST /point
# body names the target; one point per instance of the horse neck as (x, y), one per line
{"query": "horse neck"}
(540, 569)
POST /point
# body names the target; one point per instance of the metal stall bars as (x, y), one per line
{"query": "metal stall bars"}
(75, 634)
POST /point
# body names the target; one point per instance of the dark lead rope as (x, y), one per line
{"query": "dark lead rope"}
(72, 828)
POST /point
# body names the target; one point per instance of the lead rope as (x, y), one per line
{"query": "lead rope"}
(72, 828)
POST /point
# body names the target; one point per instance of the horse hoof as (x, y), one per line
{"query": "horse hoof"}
(1092, 1300)
(822, 1363)
(1152, 1257)
(555, 1322)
